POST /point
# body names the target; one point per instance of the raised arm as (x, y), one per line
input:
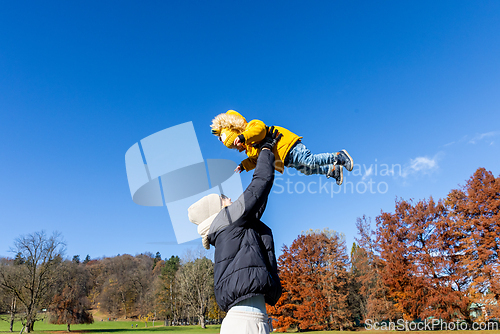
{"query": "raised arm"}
(252, 202)
(255, 195)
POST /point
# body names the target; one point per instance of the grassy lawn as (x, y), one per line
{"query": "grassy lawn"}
(112, 327)
(125, 327)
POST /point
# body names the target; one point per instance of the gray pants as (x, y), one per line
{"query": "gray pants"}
(241, 322)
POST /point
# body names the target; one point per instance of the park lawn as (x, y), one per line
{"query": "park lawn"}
(125, 327)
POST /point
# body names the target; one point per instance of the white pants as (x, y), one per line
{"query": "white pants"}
(241, 322)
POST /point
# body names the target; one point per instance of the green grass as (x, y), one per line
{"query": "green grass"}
(124, 327)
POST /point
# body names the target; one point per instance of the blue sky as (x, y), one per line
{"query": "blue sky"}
(411, 84)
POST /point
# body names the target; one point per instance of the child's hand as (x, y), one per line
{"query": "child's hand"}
(237, 142)
(239, 169)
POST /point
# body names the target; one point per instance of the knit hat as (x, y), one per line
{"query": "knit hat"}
(234, 112)
(228, 136)
(203, 213)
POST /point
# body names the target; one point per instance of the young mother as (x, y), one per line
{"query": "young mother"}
(245, 271)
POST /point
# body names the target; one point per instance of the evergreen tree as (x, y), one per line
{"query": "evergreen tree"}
(156, 259)
(87, 259)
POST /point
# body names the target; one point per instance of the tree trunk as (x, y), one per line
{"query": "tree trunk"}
(124, 304)
(171, 305)
(29, 325)
(69, 329)
(11, 329)
(202, 321)
(12, 313)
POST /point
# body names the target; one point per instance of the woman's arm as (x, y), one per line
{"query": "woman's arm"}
(255, 195)
(252, 202)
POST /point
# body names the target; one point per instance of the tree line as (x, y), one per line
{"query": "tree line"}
(39, 282)
(427, 259)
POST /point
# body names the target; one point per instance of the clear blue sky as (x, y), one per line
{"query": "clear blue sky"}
(409, 83)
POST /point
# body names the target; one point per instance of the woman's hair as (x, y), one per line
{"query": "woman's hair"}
(228, 121)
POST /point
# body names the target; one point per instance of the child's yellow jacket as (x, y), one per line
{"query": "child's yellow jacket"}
(256, 131)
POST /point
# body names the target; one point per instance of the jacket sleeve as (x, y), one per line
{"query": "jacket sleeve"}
(260, 211)
(252, 202)
(248, 164)
(255, 132)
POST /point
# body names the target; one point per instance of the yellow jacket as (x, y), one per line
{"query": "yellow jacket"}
(256, 131)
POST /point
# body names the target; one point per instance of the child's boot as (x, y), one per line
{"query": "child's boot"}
(343, 158)
(336, 171)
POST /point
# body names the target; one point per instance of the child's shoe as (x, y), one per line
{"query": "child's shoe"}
(336, 171)
(343, 158)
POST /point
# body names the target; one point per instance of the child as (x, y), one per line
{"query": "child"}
(234, 131)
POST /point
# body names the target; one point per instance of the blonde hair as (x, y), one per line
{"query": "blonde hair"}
(228, 121)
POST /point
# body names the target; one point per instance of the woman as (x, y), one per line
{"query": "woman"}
(245, 270)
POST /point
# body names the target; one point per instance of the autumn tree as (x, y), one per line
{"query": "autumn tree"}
(146, 301)
(336, 280)
(356, 301)
(370, 298)
(427, 259)
(214, 310)
(123, 282)
(131, 286)
(285, 308)
(313, 274)
(4, 297)
(8, 299)
(70, 304)
(195, 284)
(151, 303)
(32, 280)
(474, 212)
(311, 312)
(420, 270)
(167, 296)
(97, 278)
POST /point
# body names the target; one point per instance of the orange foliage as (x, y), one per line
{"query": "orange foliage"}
(440, 257)
(313, 273)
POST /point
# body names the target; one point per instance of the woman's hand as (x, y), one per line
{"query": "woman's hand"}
(271, 139)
